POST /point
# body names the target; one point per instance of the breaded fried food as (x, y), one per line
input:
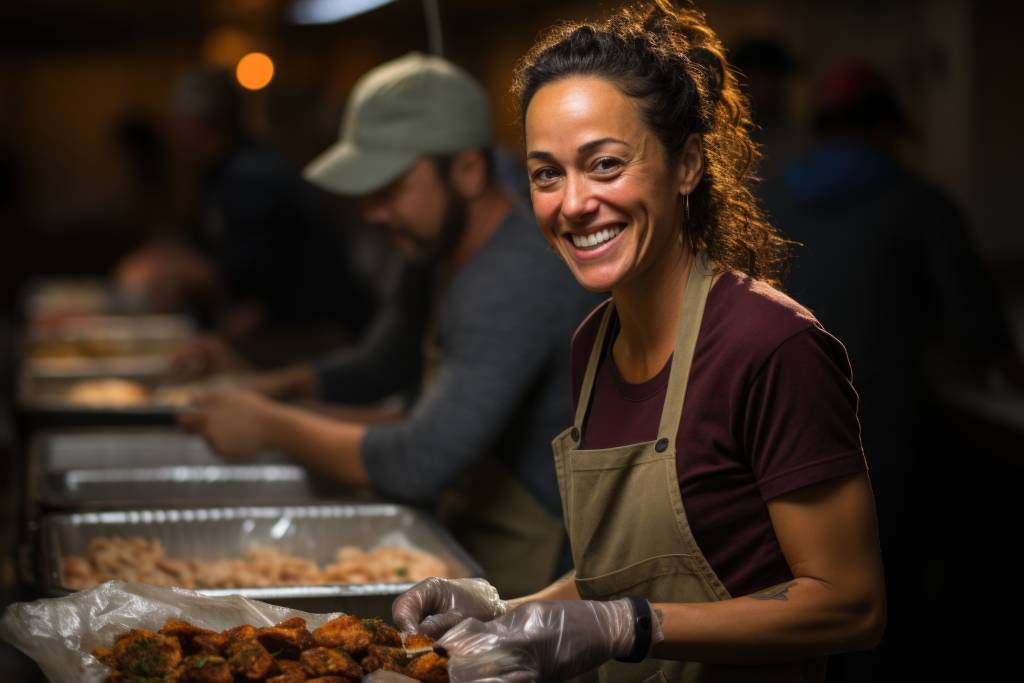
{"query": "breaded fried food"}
(416, 641)
(212, 644)
(289, 640)
(143, 653)
(429, 668)
(331, 679)
(105, 655)
(243, 632)
(323, 661)
(382, 633)
(119, 677)
(291, 672)
(381, 657)
(205, 669)
(186, 634)
(249, 660)
(346, 632)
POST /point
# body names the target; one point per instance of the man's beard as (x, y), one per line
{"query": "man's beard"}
(453, 225)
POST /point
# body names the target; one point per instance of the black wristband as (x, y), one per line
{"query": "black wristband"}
(642, 629)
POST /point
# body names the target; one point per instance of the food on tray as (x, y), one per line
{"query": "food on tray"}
(120, 393)
(145, 560)
(344, 649)
(106, 392)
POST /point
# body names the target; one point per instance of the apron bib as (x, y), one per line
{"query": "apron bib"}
(625, 516)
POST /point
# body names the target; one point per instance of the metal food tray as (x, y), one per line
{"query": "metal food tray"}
(42, 402)
(118, 332)
(106, 344)
(130, 468)
(311, 532)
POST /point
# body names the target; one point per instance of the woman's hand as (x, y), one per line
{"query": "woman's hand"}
(435, 605)
(545, 640)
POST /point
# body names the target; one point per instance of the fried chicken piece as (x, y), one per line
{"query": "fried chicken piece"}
(120, 677)
(346, 632)
(381, 657)
(105, 655)
(186, 634)
(243, 632)
(143, 653)
(285, 642)
(249, 660)
(429, 668)
(294, 622)
(291, 672)
(212, 644)
(416, 641)
(205, 669)
(382, 633)
(331, 679)
(321, 661)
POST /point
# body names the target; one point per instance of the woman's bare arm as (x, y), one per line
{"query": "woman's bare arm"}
(836, 601)
(563, 588)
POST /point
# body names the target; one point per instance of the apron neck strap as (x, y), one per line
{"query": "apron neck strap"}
(595, 359)
(697, 287)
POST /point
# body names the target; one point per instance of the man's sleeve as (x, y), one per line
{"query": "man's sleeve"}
(494, 352)
(389, 359)
(800, 425)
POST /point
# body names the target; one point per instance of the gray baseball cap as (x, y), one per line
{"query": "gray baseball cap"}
(398, 112)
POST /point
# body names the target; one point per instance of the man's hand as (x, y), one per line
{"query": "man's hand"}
(232, 422)
(207, 355)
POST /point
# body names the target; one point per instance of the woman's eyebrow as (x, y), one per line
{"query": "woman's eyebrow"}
(588, 147)
(583, 150)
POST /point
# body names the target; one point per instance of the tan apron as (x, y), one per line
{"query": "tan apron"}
(516, 540)
(625, 516)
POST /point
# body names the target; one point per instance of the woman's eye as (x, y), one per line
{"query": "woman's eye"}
(607, 165)
(544, 176)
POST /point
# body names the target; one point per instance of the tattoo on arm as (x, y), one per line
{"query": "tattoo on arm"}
(778, 592)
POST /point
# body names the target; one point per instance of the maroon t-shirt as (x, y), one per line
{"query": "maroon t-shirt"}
(770, 408)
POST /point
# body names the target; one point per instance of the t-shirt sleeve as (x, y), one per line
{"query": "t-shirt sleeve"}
(801, 425)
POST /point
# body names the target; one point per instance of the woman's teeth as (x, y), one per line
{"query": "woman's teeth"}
(595, 239)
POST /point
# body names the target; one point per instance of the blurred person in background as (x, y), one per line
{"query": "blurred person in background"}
(885, 259)
(264, 252)
(477, 331)
(766, 70)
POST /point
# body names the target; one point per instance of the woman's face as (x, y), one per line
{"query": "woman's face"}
(603, 193)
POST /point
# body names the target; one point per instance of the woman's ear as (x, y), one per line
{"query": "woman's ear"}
(690, 167)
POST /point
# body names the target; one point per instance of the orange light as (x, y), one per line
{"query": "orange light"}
(254, 71)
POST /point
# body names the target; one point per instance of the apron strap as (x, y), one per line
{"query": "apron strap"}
(697, 286)
(592, 363)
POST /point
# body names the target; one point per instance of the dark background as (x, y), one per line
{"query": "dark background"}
(72, 70)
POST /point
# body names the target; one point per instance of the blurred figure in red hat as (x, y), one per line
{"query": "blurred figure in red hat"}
(886, 261)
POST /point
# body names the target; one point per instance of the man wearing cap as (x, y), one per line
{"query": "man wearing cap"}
(480, 325)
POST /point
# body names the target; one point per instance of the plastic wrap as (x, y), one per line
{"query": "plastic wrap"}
(59, 633)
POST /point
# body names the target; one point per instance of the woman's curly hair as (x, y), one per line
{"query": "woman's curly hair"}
(673, 63)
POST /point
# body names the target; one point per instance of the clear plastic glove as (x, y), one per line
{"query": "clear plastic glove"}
(544, 640)
(435, 605)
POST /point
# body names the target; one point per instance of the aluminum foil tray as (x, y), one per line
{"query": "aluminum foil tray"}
(115, 469)
(312, 532)
(42, 401)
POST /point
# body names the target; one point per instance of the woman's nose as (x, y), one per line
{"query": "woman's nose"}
(578, 200)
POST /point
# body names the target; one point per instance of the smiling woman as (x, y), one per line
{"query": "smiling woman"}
(713, 484)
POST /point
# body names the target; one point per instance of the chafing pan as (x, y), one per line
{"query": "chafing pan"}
(311, 532)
